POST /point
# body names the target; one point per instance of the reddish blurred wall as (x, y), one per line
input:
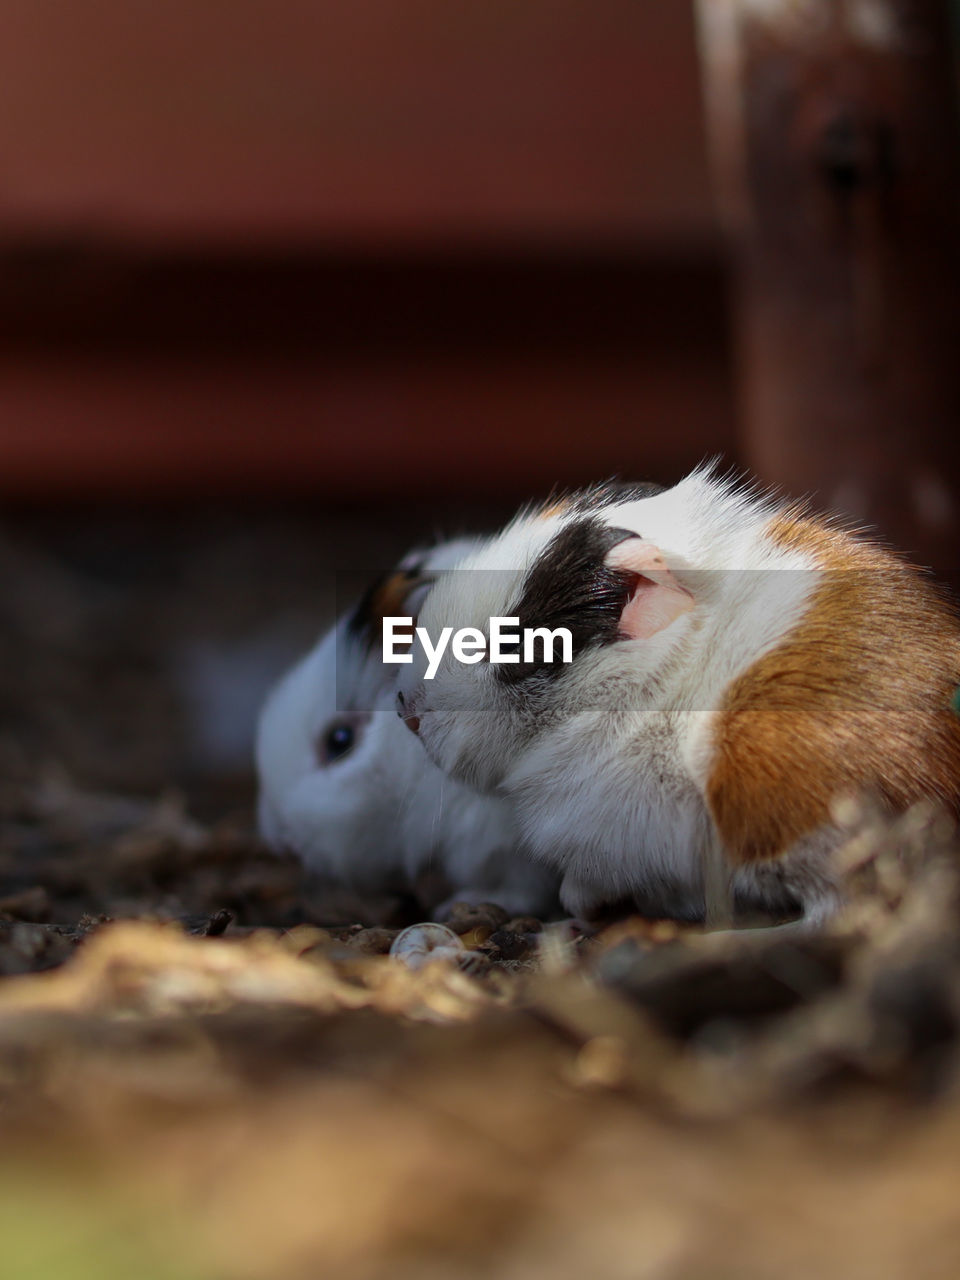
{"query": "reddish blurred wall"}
(236, 161)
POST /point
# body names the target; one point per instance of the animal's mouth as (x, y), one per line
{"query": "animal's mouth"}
(408, 711)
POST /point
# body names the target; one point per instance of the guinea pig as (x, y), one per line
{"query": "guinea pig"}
(736, 665)
(347, 788)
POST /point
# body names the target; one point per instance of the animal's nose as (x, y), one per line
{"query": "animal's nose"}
(406, 712)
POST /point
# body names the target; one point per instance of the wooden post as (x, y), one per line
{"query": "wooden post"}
(836, 147)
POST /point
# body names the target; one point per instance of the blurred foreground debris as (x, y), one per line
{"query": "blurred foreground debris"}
(238, 1084)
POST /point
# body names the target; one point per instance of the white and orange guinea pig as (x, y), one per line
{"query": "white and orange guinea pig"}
(348, 789)
(736, 665)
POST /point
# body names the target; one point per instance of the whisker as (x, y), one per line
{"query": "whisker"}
(406, 798)
(438, 815)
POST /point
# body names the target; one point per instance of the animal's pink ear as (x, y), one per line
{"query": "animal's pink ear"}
(657, 599)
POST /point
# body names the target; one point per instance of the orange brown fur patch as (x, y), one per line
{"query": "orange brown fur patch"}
(387, 598)
(855, 698)
(554, 507)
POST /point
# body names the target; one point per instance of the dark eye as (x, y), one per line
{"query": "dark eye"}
(337, 741)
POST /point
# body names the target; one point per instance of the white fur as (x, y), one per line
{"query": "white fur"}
(608, 762)
(382, 814)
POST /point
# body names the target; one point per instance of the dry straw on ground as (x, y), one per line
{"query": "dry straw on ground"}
(228, 1083)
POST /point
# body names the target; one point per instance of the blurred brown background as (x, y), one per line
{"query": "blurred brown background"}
(349, 250)
(285, 287)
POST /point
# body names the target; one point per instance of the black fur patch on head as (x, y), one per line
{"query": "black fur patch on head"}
(570, 586)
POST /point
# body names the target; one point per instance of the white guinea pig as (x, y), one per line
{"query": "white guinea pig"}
(736, 665)
(348, 789)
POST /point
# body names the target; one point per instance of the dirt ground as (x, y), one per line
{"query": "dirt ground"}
(211, 1070)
